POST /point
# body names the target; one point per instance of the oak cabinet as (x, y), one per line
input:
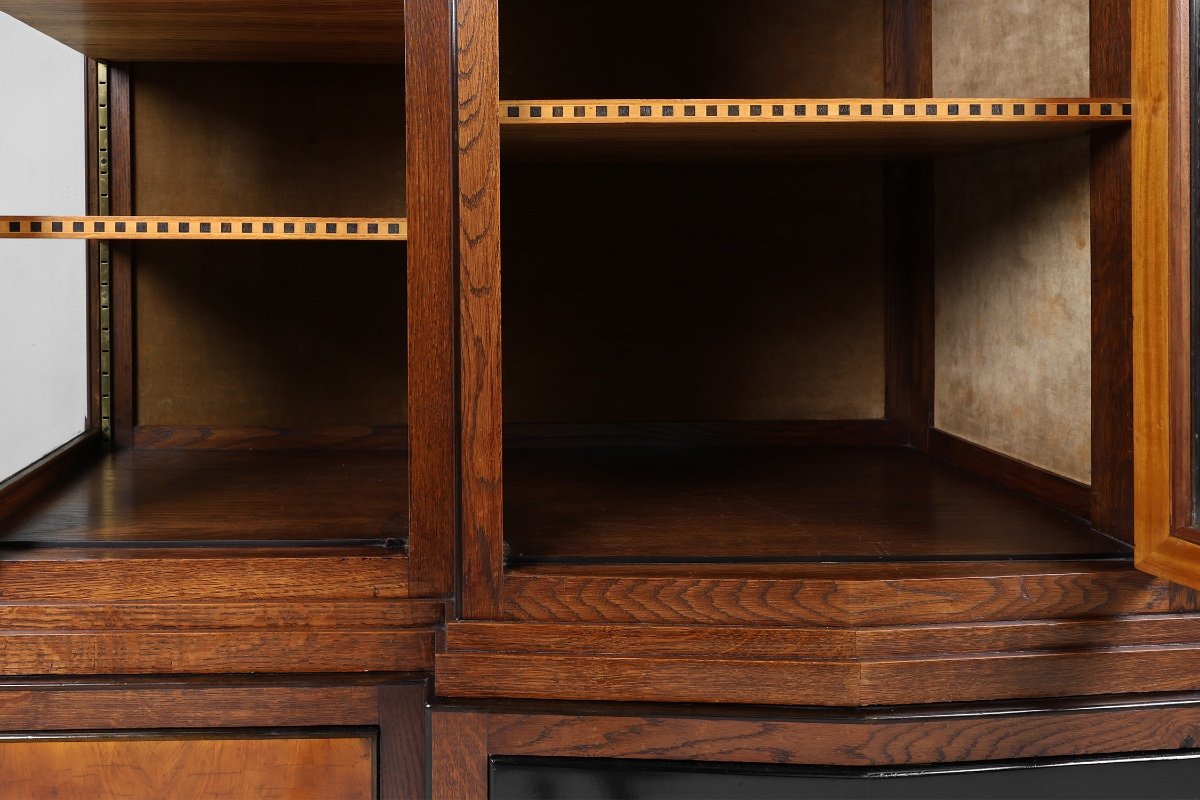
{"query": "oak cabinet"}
(779, 353)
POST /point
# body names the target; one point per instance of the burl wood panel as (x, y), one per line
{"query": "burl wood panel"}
(1013, 294)
(682, 316)
(205, 769)
(996, 48)
(222, 30)
(269, 140)
(187, 496)
(275, 334)
(778, 504)
(684, 48)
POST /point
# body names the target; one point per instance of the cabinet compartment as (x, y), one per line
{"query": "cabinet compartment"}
(247, 349)
(736, 330)
(792, 48)
(722, 375)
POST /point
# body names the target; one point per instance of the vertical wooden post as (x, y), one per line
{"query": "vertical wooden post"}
(1112, 280)
(908, 198)
(482, 491)
(432, 428)
(402, 742)
(459, 755)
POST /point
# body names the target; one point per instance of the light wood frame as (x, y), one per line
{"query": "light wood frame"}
(1167, 539)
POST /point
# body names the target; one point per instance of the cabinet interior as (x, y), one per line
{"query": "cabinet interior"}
(269, 376)
(721, 355)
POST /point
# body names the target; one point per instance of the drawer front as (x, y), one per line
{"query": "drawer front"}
(1159, 776)
(287, 766)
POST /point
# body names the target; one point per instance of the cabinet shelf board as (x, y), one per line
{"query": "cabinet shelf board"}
(368, 31)
(213, 498)
(207, 228)
(786, 504)
(828, 126)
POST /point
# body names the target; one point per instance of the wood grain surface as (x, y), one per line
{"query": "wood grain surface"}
(905, 665)
(1112, 276)
(262, 437)
(174, 496)
(189, 703)
(210, 769)
(867, 740)
(480, 383)
(829, 594)
(460, 758)
(1161, 338)
(432, 297)
(243, 574)
(648, 680)
(225, 30)
(651, 640)
(1071, 496)
(773, 504)
(158, 652)
(403, 742)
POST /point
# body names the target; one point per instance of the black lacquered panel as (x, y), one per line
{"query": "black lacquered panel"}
(1159, 776)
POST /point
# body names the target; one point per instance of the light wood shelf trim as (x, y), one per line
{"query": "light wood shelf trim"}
(206, 228)
(809, 111)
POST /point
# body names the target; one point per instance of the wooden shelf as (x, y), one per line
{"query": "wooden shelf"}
(849, 126)
(801, 504)
(206, 228)
(368, 31)
(186, 497)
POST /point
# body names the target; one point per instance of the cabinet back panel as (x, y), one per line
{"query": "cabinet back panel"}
(278, 334)
(677, 292)
(1013, 293)
(691, 48)
(1011, 48)
(269, 139)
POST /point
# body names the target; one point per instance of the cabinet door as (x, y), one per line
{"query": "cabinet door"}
(1166, 335)
(44, 324)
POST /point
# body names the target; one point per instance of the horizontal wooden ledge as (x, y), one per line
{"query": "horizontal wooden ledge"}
(368, 31)
(986, 736)
(830, 595)
(975, 110)
(732, 129)
(834, 682)
(206, 652)
(206, 228)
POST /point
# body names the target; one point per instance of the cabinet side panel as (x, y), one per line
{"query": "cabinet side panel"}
(1013, 294)
(1011, 48)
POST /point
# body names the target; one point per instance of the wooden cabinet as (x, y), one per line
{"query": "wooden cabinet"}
(731, 356)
